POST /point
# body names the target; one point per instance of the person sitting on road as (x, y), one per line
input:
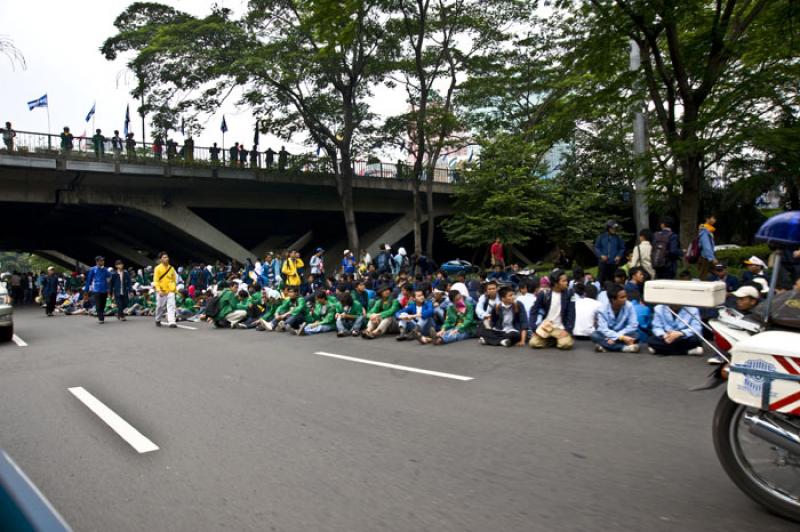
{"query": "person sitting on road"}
(486, 302)
(617, 327)
(553, 315)
(458, 325)
(322, 318)
(586, 309)
(232, 307)
(416, 318)
(440, 302)
(508, 323)
(525, 295)
(351, 315)
(671, 335)
(291, 304)
(380, 318)
(636, 279)
(644, 314)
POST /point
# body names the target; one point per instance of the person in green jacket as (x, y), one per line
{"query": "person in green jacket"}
(323, 317)
(350, 318)
(290, 307)
(380, 318)
(459, 323)
(232, 307)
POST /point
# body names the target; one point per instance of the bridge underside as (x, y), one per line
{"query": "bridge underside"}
(74, 215)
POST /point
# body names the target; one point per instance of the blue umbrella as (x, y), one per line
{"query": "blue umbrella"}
(782, 228)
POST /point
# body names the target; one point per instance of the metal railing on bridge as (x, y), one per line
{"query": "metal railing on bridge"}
(82, 148)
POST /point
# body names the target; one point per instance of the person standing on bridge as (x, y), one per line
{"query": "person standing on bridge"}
(214, 152)
(283, 159)
(255, 157)
(270, 153)
(99, 144)
(242, 156)
(165, 282)
(66, 141)
(8, 137)
(130, 147)
(233, 153)
(97, 284)
(116, 144)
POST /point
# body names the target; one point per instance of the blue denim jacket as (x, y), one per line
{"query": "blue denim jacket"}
(612, 326)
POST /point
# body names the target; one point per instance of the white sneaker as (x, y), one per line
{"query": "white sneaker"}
(697, 351)
(482, 340)
(634, 348)
(505, 343)
(268, 325)
(651, 350)
(715, 361)
(600, 349)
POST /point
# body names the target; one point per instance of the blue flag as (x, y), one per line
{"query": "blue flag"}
(39, 102)
(127, 120)
(224, 126)
(91, 112)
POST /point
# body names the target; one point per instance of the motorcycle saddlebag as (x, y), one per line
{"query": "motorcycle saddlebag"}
(704, 294)
(766, 372)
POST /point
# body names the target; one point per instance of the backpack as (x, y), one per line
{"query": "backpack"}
(212, 306)
(382, 261)
(659, 257)
(693, 252)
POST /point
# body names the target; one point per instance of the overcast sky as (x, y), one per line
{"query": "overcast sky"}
(61, 40)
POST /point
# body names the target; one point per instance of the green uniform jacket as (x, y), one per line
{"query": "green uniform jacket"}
(356, 310)
(385, 309)
(228, 302)
(294, 307)
(463, 322)
(325, 314)
(187, 304)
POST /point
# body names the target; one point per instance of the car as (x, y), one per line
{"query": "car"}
(726, 247)
(458, 266)
(6, 315)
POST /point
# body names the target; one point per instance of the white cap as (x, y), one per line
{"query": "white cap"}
(402, 251)
(347, 252)
(747, 291)
(755, 261)
(387, 247)
(461, 287)
(763, 283)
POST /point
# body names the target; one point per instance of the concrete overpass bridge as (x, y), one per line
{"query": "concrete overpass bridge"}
(70, 208)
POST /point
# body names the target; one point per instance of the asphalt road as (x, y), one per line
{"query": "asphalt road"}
(257, 432)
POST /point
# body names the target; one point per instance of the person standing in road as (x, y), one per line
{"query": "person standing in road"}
(705, 240)
(8, 136)
(317, 263)
(121, 286)
(50, 291)
(97, 284)
(610, 249)
(165, 282)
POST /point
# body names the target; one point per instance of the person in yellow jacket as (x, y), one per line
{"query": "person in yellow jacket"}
(291, 268)
(165, 282)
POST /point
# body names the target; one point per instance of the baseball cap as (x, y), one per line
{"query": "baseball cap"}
(347, 252)
(387, 247)
(719, 267)
(762, 283)
(318, 250)
(755, 261)
(612, 223)
(747, 291)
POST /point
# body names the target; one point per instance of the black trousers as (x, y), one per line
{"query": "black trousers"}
(494, 337)
(605, 272)
(679, 347)
(50, 304)
(100, 305)
(122, 303)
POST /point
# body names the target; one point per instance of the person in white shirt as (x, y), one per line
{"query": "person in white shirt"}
(525, 295)
(487, 301)
(586, 308)
(552, 317)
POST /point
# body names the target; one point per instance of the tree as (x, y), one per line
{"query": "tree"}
(436, 41)
(300, 66)
(14, 55)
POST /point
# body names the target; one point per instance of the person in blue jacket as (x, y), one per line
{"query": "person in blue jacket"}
(97, 284)
(121, 286)
(617, 326)
(50, 290)
(674, 336)
(416, 319)
(508, 322)
(610, 250)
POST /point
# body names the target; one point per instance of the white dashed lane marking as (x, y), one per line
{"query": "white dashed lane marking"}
(135, 438)
(395, 366)
(19, 341)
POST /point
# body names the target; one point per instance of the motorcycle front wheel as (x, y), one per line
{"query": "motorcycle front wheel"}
(767, 473)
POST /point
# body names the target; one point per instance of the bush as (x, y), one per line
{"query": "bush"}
(734, 258)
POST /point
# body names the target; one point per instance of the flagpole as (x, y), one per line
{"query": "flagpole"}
(223, 148)
(49, 131)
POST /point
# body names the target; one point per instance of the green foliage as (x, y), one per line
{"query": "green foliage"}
(25, 262)
(734, 258)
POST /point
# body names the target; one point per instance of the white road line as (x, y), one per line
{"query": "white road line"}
(19, 341)
(187, 327)
(395, 366)
(135, 438)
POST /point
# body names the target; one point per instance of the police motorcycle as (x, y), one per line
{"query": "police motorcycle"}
(756, 425)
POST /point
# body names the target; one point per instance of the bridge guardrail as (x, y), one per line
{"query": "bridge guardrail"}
(50, 145)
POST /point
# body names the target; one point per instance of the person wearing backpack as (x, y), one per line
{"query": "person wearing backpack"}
(383, 261)
(642, 255)
(165, 282)
(666, 251)
(705, 242)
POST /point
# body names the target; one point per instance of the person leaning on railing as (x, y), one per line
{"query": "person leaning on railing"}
(8, 136)
(66, 140)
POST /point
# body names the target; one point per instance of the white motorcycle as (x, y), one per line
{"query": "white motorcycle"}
(757, 422)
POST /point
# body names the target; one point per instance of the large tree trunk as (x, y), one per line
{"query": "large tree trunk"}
(429, 210)
(690, 198)
(417, 206)
(344, 186)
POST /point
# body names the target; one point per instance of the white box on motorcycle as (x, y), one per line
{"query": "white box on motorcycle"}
(771, 352)
(685, 293)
